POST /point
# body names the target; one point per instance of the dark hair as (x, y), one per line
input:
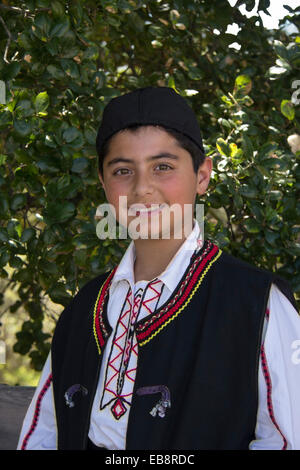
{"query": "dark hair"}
(183, 141)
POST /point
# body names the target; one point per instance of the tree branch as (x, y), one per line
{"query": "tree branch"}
(8, 40)
(21, 10)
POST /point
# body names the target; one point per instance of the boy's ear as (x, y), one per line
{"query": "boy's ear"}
(203, 175)
(101, 180)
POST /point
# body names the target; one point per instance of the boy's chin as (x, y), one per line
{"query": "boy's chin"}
(156, 228)
(156, 232)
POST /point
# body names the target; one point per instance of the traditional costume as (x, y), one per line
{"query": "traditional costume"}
(204, 356)
(198, 358)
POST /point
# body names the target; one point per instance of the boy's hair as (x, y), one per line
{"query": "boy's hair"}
(182, 140)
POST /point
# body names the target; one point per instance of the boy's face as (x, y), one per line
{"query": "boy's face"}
(149, 167)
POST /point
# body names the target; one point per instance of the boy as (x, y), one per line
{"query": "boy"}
(181, 346)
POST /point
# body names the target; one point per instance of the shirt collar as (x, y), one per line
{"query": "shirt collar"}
(176, 267)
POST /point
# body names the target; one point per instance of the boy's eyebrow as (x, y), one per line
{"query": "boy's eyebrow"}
(152, 157)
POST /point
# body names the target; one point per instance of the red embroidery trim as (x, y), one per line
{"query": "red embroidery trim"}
(185, 282)
(120, 347)
(124, 345)
(36, 412)
(146, 328)
(99, 325)
(182, 297)
(155, 296)
(269, 394)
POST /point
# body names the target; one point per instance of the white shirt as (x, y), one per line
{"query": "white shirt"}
(278, 417)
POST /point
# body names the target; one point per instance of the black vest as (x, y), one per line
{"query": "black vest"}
(203, 344)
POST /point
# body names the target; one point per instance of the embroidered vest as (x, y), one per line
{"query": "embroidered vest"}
(199, 351)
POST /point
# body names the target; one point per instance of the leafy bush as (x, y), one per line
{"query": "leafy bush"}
(62, 61)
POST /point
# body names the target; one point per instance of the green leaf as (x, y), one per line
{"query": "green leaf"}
(4, 206)
(137, 22)
(223, 147)
(16, 262)
(294, 250)
(247, 146)
(209, 109)
(10, 71)
(57, 8)
(252, 226)
(91, 53)
(5, 119)
(4, 258)
(49, 236)
(23, 275)
(70, 68)
(47, 267)
(248, 191)
(249, 4)
(3, 235)
(58, 294)
(2, 159)
(41, 102)
(49, 164)
(90, 135)
(271, 250)
(281, 50)
(264, 5)
(58, 213)
(22, 127)
(18, 201)
(275, 195)
(271, 237)
(80, 257)
(27, 235)
(23, 344)
(70, 52)
(238, 201)
(60, 29)
(235, 152)
(55, 72)
(70, 134)
(24, 108)
(243, 85)
(80, 164)
(225, 123)
(227, 101)
(287, 109)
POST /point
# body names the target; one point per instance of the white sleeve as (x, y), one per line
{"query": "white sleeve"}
(39, 426)
(278, 417)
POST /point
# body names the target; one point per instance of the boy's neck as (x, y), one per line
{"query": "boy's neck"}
(153, 256)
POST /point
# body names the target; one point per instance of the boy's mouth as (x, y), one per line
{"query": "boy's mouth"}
(145, 209)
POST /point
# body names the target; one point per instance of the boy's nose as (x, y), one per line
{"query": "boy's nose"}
(143, 184)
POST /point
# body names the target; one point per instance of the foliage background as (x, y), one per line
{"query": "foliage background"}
(61, 62)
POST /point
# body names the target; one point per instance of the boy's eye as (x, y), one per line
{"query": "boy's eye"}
(164, 166)
(121, 171)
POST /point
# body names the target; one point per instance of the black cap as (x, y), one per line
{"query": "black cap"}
(149, 106)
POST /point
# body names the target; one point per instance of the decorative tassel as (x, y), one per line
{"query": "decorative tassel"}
(161, 407)
(71, 391)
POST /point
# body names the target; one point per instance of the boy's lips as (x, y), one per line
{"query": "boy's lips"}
(145, 209)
